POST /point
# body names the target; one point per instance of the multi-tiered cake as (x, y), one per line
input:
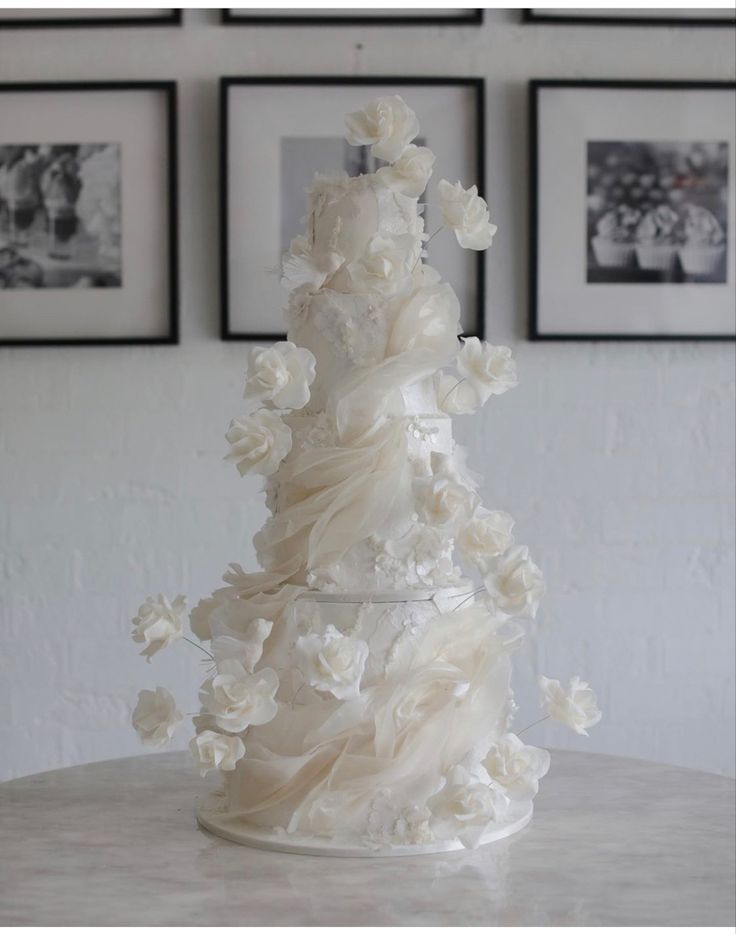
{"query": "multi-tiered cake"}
(359, 697)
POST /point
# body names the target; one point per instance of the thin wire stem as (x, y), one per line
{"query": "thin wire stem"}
(447, 395)
(541, 720)
(197, 646)
(469, 597)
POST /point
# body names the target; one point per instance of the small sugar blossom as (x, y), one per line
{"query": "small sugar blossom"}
(155, 717)
(514, 584)
(158, 623)
(258, 443)
(387, 124)
(516, 767)
(215, 751)
(489, 370)
(238, 699)
(466, 214)
(280, 375)
(575, 706)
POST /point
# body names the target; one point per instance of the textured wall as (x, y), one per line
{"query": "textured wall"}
(616, 460)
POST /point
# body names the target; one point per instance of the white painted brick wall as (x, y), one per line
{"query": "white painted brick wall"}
(616, 460)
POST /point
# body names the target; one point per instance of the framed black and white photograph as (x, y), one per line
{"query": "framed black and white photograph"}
(385, 16)
(52, 18)
(88, 247)
(633, 194)
(630, 16)
(277, 133)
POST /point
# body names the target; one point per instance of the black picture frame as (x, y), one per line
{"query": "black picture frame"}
(172, 18)
(169, 90)
(535, 86)
(472, 17)
(549, 19)
(477, 85)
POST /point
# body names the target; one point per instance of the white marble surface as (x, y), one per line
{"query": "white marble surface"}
(613, 841)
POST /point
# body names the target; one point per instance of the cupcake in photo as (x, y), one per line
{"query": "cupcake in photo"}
(613, 244)
(705, 242)
(657, 239)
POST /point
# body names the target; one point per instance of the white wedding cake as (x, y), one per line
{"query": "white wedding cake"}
(358, 699)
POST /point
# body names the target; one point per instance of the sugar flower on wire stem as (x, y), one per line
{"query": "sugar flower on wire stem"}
(576, 706)
(280, 375)
(158, 623)
(258, 443)
(156, 717)
(490, 370)
(216, 751)
(466, 214)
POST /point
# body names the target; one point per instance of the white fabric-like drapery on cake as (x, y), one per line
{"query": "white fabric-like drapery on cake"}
(359, 697)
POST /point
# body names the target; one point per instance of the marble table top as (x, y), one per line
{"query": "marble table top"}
(613, 842)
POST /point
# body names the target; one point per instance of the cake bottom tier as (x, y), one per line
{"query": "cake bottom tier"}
(387, 709)
(212, 815)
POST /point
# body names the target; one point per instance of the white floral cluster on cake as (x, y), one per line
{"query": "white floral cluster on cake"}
(422, 752)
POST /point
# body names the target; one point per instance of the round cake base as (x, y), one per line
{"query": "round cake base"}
(212, 816)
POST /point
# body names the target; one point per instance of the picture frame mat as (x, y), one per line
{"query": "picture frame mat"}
(142, 306)
(624, 113)
(256, 302)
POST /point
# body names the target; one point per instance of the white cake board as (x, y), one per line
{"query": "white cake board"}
(211, 816)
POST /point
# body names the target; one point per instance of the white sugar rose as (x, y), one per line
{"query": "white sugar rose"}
(333, 662)
(410, 173)
(155, 717)
(486, 536)
(442, 501)
(214, 751)
(516, 767)
(258, 443)
(430, 319)
(386, 124)
(158, 623)
(238, 699)
(575, 706)
(468, 801)
(466, 214)
(489, 370)
(281, 375)
(455, 396)
(386, 265)
(515, 584)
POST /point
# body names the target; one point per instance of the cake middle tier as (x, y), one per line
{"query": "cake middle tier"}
(378, 514)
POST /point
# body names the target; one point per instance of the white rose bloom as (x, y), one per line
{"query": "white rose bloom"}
(155, 717)
(455, 396)
(386, 124)
(158, 623)
(575, 706)
(333, 662)
(468, 801)
(238, 699)
(490, 370)
(386, 265)
(215, 751)
(466, 214)
(515, 584)
(258, 443)
(486, 536)
(442, 501)
(411, 172)
(430, 319)
(516, 767)
(281, 374)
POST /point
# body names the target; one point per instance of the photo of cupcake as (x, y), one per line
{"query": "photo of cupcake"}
(657, 239)
(657, 212)
(705, 243)
(613, 244)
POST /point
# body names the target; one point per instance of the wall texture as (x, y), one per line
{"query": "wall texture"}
(616, 460)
